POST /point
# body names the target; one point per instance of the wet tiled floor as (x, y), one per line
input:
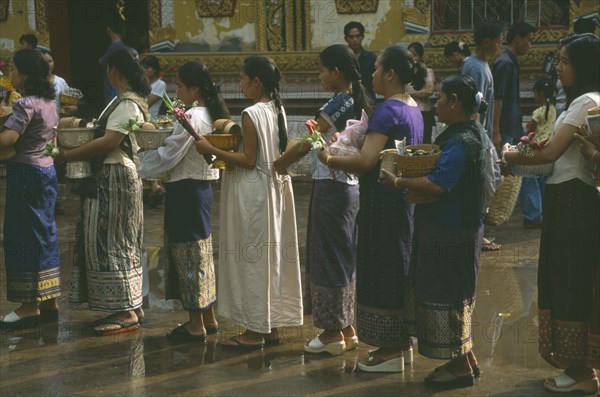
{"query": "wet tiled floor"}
(66, 359)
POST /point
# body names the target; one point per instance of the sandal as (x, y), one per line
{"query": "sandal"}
(315, 346)
(563, 383)
(182, 334)
(12, 321)
(377, 364)
(442, 378)
(125, 326)
(235, 343)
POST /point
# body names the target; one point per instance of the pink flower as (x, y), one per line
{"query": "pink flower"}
(312, 126)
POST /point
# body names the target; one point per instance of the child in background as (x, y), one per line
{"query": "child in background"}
(544, 117)
(542, 123)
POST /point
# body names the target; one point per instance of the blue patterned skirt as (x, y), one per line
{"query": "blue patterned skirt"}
(190, 271)
(30, 240)
(332, 253)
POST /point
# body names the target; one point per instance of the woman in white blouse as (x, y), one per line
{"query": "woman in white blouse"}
(190, 272)
(569, 249)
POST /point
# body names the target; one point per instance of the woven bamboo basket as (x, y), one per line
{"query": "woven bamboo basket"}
(152, 139)
(532, 170)
(415, 166)
(411, 167)
(228, 142)
(68, 99)
(504, 201)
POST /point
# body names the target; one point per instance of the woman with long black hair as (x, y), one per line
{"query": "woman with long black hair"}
(189, 274)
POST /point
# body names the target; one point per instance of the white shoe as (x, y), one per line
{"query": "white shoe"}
(408, 356)
(315, 346)
(351, 342)
(565, 384)
(393, 365)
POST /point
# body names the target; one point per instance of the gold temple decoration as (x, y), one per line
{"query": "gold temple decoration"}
(275, 30)
(289, 43)
(356, 6)
(420, 14)
(41, 23)
(215, 8)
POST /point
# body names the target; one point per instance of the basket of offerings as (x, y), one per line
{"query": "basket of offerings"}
(70, 138)
(163, 122)
(227, 142)
(8, 153)
(418, 160)
(70, 97)
(151, 138)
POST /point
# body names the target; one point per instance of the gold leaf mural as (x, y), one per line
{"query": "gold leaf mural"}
(215, 8)
(356, 6)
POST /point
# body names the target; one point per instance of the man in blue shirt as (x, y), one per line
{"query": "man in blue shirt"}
(487, 36)
(354, 33)
(508, 120)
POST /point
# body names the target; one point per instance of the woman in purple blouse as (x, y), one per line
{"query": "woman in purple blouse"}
(30, 241)
(385, 219)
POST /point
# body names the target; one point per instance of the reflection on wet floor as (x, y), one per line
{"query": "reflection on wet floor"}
(65, 358)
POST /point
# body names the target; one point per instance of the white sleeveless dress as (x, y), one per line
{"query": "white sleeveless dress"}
(259, 268)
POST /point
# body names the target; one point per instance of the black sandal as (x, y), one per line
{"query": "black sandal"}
(181, 334)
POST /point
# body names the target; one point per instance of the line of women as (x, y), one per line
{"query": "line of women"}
(404, 271)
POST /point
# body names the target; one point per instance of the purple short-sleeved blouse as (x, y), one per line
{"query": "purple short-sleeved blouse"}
(33, 118)
(397, 121)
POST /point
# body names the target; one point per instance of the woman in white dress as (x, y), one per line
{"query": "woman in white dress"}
(259, 267)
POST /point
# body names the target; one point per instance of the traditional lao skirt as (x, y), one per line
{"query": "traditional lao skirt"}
(107, 266)
(331, 253)
(568, 271)
(446, 265)
(385, 315)
(30, 240)
(190, 271)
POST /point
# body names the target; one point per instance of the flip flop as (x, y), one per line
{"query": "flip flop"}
(181, 334)
(237, 344)
(125, 326)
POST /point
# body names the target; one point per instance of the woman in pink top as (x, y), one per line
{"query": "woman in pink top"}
(30, 241)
